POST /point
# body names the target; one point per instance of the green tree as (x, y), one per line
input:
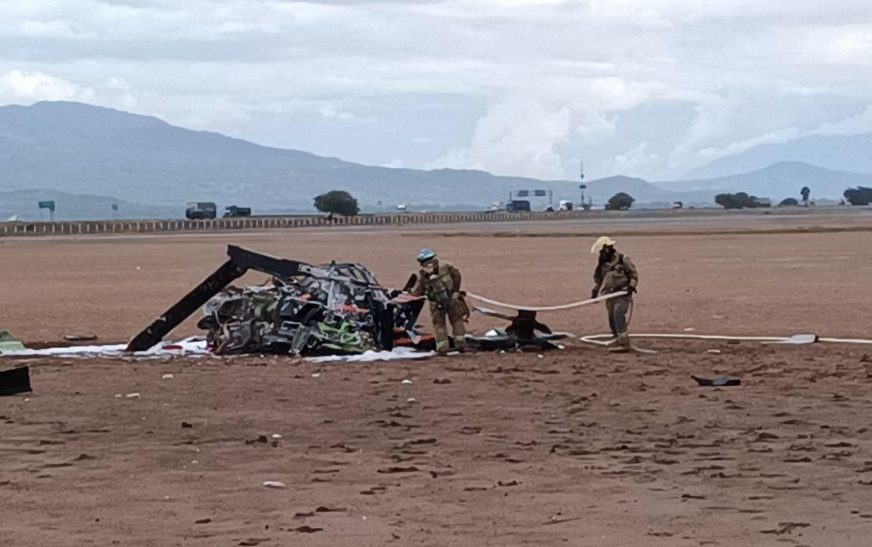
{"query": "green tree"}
(740, 200)
(337, 202)
(788, 202)
(859, 195)
(620, 202)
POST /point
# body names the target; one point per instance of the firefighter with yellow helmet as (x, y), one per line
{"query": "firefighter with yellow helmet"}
(615, 272)
(440, 283)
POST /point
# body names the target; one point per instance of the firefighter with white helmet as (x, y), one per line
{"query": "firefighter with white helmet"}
(615, 272)
(440, 283)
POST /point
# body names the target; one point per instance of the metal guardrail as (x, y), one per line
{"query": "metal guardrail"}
(20, 228)
(23, 228)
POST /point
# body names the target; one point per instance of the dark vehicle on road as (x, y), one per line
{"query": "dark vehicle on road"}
(234, 211)
(518, 206)
(201, 210)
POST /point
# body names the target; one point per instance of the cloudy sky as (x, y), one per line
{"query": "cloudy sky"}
(651, 88)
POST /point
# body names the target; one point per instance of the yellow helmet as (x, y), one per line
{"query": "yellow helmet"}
(604, 241)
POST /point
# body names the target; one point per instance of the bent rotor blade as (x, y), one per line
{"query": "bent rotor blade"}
(192, 301)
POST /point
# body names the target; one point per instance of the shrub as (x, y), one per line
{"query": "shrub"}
(740, 200)
(859, 196)
(620, 202)
(339, 202)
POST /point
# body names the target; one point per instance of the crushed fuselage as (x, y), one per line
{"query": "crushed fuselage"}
(304, 309)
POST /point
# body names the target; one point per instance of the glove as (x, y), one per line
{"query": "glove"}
(594, 293)
(631, 290)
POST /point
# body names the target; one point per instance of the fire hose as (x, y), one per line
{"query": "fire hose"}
(569, 306)
(608, 339)
(796, 339)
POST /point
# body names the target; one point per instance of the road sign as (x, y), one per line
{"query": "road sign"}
(50, 205)
(540, 193)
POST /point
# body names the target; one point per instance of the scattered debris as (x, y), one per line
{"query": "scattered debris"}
(8, 342)
(524, 332)
(273, 484)
(558, 520)
(718, 381)
(786, 528)
(260, 439)
(167, 377)
(80, 337)
(15, 380)
(132, 396)
(307, 530)
(387, 470)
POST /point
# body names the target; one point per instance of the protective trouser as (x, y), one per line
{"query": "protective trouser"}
(619, 310)
(454, 312)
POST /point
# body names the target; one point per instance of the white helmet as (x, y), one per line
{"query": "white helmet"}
(603, 241)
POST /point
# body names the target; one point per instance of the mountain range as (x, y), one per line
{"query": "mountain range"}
(89, 157)
(851, 153)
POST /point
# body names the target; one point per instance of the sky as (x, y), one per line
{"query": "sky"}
(650, 88)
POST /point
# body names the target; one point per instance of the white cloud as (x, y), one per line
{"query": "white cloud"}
(519, 135)
(638, 161)
(554, 74)
(18, 86)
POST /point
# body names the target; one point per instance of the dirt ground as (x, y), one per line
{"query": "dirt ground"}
(576, 447)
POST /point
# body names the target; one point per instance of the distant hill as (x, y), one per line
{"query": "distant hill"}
(644, 192)
(96, 156)
(852, 153)
(84, 149)
(777, 181)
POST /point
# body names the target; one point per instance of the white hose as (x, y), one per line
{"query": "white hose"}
(845, 340)
(797, 339)
(545, 308)
(607, 339)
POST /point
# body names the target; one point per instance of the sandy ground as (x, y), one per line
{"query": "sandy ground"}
(578, 447)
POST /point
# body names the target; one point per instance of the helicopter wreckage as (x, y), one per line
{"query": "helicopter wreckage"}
(305, 309)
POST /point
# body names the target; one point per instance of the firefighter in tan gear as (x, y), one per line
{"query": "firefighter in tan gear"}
(440, 283)
(615, 273)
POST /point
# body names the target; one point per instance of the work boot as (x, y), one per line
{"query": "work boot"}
(623, 344)
(442, 347)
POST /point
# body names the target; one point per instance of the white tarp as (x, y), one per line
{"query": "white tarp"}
(188, 346)
(197, 346)
(369, 356)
